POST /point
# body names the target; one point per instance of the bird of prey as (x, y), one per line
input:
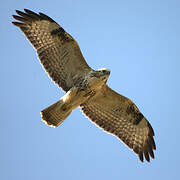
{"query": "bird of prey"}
(62, 59)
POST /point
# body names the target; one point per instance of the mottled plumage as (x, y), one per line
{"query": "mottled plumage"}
(61, 57)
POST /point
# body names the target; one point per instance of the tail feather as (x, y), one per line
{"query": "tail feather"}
(55, 114)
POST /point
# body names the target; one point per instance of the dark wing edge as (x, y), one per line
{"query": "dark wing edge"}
(57, 50)
(138, 136)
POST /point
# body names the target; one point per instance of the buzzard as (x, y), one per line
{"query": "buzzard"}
(61, 57)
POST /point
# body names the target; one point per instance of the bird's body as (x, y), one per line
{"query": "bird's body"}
(83, 90)
(61, 57)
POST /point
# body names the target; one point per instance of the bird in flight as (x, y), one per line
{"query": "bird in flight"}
(62, 59)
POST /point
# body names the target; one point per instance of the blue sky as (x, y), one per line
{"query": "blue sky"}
(140, 42)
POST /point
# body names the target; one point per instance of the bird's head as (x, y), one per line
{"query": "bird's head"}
(103, 73)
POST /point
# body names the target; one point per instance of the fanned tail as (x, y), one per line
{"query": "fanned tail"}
(55, 114)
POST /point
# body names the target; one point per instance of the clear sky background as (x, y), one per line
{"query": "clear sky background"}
(140, 42)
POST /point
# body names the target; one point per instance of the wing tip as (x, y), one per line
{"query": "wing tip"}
(17, 23)
(30, 16)
(146, 151)
(141, 158)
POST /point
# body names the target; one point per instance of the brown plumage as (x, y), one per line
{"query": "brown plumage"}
(61, 57)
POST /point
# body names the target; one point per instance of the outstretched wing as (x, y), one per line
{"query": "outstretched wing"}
(58, 52)
(118, 115)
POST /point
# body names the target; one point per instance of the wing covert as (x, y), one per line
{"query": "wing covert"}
(58, 52)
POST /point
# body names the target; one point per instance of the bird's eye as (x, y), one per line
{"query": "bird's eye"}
(104, 71)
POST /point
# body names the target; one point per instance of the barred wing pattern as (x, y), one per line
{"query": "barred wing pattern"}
(118, 115)
(58, 52)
